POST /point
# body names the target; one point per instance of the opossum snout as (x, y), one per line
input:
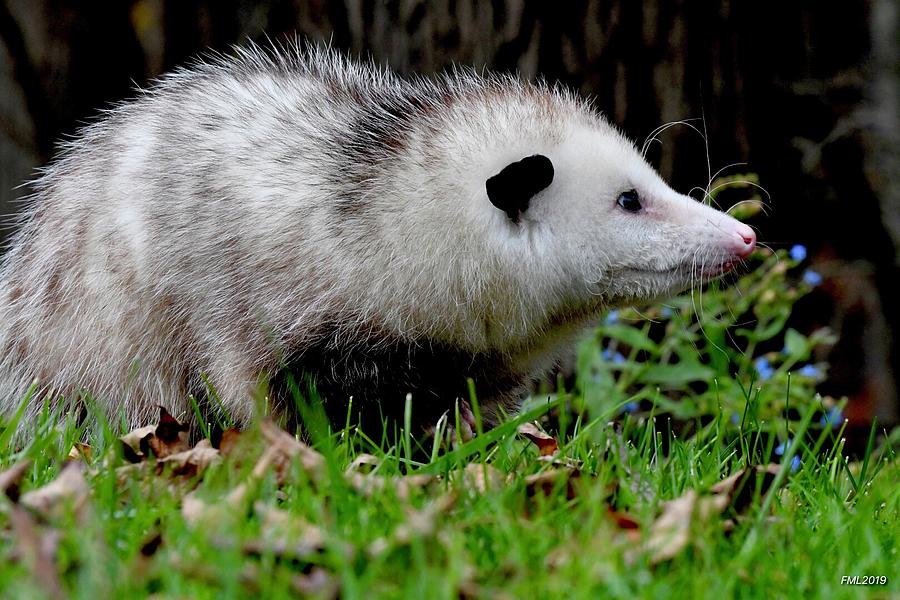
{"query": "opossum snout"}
(740, 243)
(743, 242)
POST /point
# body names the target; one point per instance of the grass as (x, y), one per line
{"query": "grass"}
(693, 459)
(450, 535)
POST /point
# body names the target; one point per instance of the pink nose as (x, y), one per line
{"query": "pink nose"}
(745, 240)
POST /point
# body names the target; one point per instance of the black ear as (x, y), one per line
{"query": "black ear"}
(511, 189)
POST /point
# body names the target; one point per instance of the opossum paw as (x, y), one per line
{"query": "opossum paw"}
(453, 435)
(466, 426)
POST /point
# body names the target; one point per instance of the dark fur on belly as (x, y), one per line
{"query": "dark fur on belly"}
(379, 378)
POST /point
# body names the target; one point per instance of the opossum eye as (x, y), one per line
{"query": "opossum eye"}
(511, 189)
(630, 201)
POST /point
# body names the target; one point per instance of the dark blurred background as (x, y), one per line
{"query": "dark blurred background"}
(806, 94)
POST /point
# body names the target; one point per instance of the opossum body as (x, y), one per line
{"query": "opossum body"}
(292, 211)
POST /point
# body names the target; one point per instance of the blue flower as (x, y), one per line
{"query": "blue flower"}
(798, 252)
(783, 447)
(630, 407)
(612, 316)
(735, 418)
(667, 312)
(763, 367)
(812, 278)
(810, 371)
(613, 357)
(833, 417)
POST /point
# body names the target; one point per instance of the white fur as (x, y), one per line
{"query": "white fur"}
(193, 230)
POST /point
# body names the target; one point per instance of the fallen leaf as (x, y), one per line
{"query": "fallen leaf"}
(284, 535)
(167, 437)
(190, 462)
(230, 440)
(187, 464)
(80, 451)
(741, 487)
(480, 477)
(624, 521)
(287, 448)
(68, 490)
(37, 548)
(131, 443)
(170, 436)
(562, 462)
(12, 477)
(151, 544)
(670, 533)
(547, 445)
(403, 486)
(546, 482)
(196, 510)
(318, 583)
(362, 478)
(364, 463)
(193, 508)
(417, 524)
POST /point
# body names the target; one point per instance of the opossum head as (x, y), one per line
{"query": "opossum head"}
(591, 222)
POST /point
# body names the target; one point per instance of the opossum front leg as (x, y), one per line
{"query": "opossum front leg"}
(467, 424)
(232, 381)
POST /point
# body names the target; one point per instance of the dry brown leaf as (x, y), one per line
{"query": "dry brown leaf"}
(190, 462)
(196, 510)
(547, 481)
(626, 523)
(547, 445)
(480, 477)
(364, 463)
(561, 462)
(359, 474)
(170, 436)
(318, 583)
(12, 477)
(185, 465)
(80, 451)
(288, 447)
(230, 440)
(740, 488)
(131, 443)
(151, 544)
(284, 535)
(166, 438)
(69, 489)
(670, 533)
(403, 486)
(37, 548)
(418, 524)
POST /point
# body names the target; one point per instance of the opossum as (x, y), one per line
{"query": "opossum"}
(294, 212)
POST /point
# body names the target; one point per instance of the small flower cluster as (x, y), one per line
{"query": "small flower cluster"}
(614, 357)
(766, 371)
(834, 417)
(811, 278)
(782, 448)
(764, 368)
